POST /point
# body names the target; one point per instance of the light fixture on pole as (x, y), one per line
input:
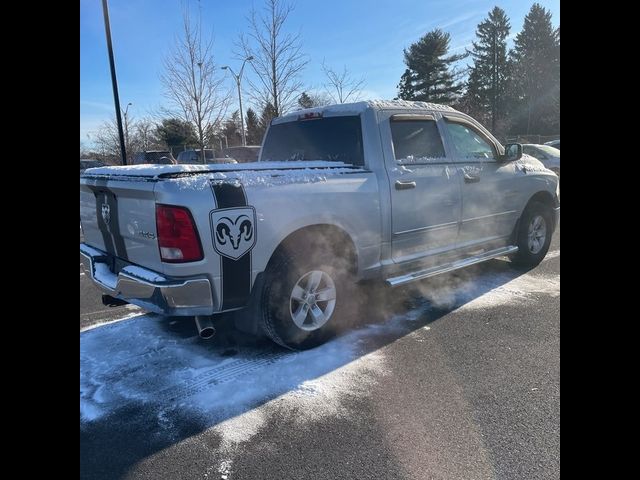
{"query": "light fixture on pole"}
(238, 79)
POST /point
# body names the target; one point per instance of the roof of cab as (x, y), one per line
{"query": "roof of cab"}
(359, 107)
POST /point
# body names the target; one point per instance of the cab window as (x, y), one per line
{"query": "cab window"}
(416, 142)
(469, 143)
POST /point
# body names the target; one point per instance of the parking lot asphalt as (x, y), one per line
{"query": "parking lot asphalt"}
(455, 377)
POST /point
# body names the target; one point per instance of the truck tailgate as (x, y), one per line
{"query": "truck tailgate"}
(118, 217)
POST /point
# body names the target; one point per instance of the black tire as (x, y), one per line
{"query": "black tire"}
(528, 256)
(276, 302)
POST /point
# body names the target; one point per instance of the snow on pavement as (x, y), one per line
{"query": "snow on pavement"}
(143, 361)
(490, 291)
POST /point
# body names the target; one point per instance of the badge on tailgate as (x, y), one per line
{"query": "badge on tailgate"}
(106, 212)
(233, 231)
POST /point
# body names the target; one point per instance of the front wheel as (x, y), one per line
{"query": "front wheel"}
(301, 301)
(534, 235)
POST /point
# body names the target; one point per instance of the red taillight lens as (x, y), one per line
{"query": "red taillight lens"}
(177, 235)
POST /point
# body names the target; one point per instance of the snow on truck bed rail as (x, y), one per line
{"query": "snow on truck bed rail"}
(249, 174)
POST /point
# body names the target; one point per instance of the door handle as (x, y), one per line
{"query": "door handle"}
(404, 185)
(471, 178)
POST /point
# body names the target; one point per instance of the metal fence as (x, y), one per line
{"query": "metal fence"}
(177, 149)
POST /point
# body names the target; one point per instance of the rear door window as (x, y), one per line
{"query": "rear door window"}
(416, 141)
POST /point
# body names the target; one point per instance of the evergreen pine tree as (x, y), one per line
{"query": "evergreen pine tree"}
(268, 113)
(536, 80)
(405, 87)
(231, 130)
(429, 75)
(176, 132)
(305, 101)
(489, 75)
(254, 135)
(262, 123)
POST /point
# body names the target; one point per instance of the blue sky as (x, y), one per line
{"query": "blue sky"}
(366, 36)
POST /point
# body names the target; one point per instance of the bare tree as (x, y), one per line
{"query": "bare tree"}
(145, 135)
(84, 150)
(140, 136)
(194, 91)
(107, 140)
(341, 86)
(277, 57)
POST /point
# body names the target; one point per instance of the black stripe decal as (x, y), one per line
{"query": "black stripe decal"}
(235, 275)
(229, 195)
(236, 281)
(100, 195)
(111, 236)
(114, 226)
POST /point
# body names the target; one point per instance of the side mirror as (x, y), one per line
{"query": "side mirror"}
(512, 151)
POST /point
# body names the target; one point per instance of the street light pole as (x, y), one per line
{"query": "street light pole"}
(126, 126)
(238, 79)
(244, 139)
(114, 81)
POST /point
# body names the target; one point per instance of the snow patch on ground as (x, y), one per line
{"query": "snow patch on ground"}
(136, 313)
(492, 291)
(141, 361)
(224, 469)
(553, 254)
(144, 362)
(312, 399)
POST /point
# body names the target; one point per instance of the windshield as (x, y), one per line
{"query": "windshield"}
(336, 139)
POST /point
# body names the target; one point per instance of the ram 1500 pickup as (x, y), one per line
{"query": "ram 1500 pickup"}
(393, 190)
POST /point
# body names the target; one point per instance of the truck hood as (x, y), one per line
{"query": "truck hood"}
(158, 171)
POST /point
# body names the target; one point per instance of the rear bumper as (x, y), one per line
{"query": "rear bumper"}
(556, 220)
(147, 289)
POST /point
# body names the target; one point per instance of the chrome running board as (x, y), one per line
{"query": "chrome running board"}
(451, 266)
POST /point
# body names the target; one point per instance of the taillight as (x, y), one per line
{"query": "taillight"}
(177, 235)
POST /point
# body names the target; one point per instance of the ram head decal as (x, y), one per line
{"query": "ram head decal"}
(233, 231)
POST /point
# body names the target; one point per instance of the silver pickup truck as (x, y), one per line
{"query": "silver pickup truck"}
(394, 190)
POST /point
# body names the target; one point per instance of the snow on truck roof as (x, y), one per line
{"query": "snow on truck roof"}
(359, 107)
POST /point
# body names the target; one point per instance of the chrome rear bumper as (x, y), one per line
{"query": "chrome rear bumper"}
(148, 289)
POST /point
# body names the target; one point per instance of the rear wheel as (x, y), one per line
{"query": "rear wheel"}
(534, 234)
(302, 300)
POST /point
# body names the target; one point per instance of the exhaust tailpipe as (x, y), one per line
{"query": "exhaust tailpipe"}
(205, 327)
